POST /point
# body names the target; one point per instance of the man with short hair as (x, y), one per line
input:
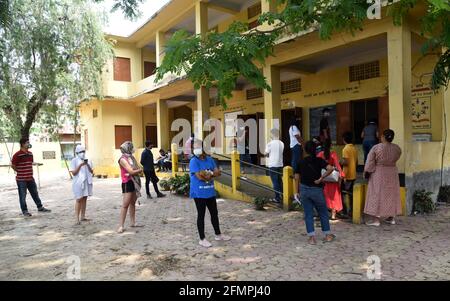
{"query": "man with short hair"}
(349, 161)
(149, 170)
(22, 163)
(274, 152)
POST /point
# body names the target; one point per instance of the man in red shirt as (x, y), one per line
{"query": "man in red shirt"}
(22, 163)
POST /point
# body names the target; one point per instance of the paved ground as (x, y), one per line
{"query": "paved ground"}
(269, 245)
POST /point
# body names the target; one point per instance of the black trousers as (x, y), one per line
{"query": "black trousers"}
(347, 188)
(201, 205)
(150, 176)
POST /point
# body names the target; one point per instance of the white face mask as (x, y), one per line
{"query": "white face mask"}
(198, 151)
(81, 156)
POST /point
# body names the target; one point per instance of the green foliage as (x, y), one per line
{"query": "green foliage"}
(259, 202)
(128, 7)
(296, 207)
(422, 202)
(444, 194)
(52, 58)
(178, 184)
(219, 59)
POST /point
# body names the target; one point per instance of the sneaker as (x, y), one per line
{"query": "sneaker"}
(161, 195)
(43, 209)
(205, 243)
(376, 224)
(222, 237)
(27, 214)
(390, 221)
(275, 201)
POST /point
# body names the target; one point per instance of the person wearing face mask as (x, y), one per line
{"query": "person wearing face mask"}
(22, 164)
(203, 170)
(131, 184)
(82, 171)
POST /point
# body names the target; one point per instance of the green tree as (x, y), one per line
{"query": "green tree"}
(220, 58)
(52, 56)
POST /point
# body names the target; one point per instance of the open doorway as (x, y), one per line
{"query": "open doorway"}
(287, 116)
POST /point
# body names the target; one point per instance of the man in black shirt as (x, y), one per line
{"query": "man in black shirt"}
(149, 170)
(311, 191)
(325, 133)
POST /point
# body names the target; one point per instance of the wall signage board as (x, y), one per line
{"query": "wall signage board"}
(421, 109)
(49, 155)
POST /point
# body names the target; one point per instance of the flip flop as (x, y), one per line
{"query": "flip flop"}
(333, 237)
(136, 226)
(121, 230)
(85, 220)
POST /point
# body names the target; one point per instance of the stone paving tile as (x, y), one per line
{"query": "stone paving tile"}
(269, 245)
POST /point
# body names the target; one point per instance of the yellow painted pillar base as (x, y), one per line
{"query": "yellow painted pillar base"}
(359, 196)
(174, 150)
(235, 171)
(288, 187)
(403, 200)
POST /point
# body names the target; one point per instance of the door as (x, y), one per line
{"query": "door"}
(383, 114)
(256, 158)
(149, 69)
(151, 134)
(343, 120)
(287, 116)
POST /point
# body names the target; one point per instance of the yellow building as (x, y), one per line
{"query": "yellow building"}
(378, 72)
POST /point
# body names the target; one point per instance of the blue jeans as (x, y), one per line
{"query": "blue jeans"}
(313, 197)
(296, 155)
(276, 177)
(32, 188)
(367, 146)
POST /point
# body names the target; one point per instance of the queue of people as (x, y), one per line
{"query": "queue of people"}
(321, 176)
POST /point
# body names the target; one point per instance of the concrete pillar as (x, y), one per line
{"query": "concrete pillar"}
(162, 119)
(160, 44)
(174, 151)
(288, 187)
(399, 73)
(272, 100)
(235, 171)
(201, 113)
(268, 6)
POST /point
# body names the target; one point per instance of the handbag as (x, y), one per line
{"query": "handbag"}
(333, 177)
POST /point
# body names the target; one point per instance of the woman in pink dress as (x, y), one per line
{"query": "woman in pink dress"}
(332, 191)
(383, 193)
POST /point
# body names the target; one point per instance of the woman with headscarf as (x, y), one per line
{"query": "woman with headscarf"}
(82, 171)
(131, 184)
(383, 192)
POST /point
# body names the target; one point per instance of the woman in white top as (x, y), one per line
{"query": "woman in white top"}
(82, 172)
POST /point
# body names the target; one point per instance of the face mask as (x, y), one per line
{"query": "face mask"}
(29, 146)
(81, 156)
(198, 152)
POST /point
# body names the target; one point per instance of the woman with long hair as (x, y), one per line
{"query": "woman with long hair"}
(332, 190)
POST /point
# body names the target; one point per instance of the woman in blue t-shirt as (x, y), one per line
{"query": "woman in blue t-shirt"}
(203, 169)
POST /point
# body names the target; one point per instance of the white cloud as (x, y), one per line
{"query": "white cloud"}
(119, 25)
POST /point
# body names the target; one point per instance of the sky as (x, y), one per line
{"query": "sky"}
(119, 25)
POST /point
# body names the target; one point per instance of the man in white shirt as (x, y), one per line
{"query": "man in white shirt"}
(296, 152)
(274, 152)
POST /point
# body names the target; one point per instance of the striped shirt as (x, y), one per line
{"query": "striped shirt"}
(23, 161)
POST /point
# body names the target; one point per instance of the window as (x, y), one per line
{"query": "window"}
(290, 86)
(149, 69)
(214, 101)
(94, 113)
(122, 69)
(122, 134)
(254, 10)
(254, 93)
(364, 71)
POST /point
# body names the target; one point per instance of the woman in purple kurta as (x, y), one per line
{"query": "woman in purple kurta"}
(383, 193)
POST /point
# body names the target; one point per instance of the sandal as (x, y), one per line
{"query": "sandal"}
(329, 238)
(135, 225)
(121, 230)
(85, 219)
(312, 240)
